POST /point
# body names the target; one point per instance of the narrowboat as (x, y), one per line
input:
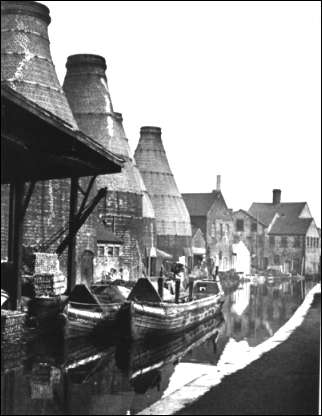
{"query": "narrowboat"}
(146, 314)
(94, 309)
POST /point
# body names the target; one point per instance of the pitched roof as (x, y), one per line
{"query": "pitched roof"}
(265, 211)
(291, 226)
(200, 204)
(249, 215)
(287, 222)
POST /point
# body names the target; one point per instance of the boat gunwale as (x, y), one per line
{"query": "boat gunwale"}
(172, 305)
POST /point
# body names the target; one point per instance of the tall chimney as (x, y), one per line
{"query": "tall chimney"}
(276, 196)
(26, 62)
(218, 182)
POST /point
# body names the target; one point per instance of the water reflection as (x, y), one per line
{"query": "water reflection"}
(56, 376)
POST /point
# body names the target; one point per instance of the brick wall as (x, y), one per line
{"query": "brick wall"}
(254, 240)
(122, 213)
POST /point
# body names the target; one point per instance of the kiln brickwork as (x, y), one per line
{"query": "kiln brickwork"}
(126, 209)
(27, 67)
(173, 225)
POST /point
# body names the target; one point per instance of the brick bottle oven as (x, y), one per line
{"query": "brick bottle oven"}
(127, 210)
(172, 217)
(27, 67)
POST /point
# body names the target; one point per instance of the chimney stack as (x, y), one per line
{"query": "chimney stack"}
(218, 183)
(276, 196)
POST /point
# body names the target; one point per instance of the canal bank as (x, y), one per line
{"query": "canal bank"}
(279, 376)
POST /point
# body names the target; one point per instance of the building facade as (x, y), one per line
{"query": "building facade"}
(251, 232)
(292, 242)
(209, 213)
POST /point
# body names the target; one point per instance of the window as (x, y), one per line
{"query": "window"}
(260, 241)
(271, 241)
(297, 242)
(253, 227)
(240, 225)
(308, 241)
(221, 231)
(227, 229)
(277, 260)
(100, 250)
(213, 230)
(284, 242)
(110, 251)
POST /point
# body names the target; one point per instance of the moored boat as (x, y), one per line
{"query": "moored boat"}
(94, 309)
(145, 314)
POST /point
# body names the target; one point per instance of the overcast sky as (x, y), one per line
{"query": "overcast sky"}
(235, 87)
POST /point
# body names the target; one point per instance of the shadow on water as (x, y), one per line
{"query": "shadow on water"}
(52, 375)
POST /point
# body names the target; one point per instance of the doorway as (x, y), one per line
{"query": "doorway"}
(87, 266)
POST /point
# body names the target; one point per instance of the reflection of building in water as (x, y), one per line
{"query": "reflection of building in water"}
(254, 313)
(241, 298)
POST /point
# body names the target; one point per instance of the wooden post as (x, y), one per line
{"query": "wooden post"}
(11, 222)
(71, 259)
(16, 225)
(160, 287)
(191, 282)
(177, 290)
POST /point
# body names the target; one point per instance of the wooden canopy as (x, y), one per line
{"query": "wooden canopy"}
(36, 145)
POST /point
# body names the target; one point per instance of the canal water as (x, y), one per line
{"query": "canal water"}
(51, 376)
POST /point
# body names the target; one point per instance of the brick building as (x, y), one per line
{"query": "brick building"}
(292, 241)
(198, 245)
(127, 210)
(209, 213)
(251, 232)
(27, 68)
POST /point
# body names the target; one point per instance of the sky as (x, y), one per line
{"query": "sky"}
(235, 87)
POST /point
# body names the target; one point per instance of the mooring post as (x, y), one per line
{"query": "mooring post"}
(177, 291)
(160, 287)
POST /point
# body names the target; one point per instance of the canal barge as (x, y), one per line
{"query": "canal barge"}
(146, 314)
(94, 309)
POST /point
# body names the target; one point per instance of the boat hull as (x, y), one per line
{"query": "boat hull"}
(83, 322)
(148, 319)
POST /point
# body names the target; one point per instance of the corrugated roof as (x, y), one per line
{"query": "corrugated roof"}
(199, 204)
(265, 212)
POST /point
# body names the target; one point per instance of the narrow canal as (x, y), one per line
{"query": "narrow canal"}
(50, 375)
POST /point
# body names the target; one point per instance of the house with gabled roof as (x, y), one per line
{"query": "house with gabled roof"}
(292, 241)
(209, 213)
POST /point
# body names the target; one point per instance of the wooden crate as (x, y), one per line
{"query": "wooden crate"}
(12, 325)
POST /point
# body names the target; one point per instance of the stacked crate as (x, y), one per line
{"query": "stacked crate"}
(48, 279)
(12, 325)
